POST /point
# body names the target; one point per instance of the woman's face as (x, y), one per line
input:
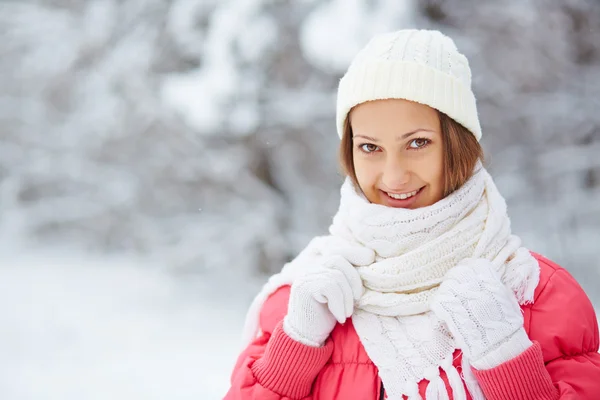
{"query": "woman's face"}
(398, 153)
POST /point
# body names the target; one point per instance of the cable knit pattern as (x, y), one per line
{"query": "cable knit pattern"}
(418, 65)
(402, 257)
(482, 314)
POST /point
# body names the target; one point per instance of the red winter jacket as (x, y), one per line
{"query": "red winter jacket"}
(563, 363)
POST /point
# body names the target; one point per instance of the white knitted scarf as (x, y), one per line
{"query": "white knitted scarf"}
(402, 256)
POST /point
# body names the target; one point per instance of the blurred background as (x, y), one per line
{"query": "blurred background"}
(160, 158)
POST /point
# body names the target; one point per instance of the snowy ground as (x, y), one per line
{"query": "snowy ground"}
(79, 329)
(75, 328)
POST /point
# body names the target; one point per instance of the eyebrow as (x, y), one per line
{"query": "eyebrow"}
(404, 136)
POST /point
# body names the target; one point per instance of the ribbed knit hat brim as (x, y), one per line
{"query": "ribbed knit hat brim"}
(400, 77)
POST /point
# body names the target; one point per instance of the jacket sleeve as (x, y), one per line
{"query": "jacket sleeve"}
(564, 362)
(274, 366)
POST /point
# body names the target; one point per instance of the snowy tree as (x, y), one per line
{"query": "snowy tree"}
(202, 133)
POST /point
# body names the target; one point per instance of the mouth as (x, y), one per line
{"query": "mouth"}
(401, 200)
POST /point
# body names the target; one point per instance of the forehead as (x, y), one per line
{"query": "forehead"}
(393, 115)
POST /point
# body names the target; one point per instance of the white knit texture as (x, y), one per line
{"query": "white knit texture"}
(402, 257)
(482, 314)
(320, 299)
(418, 65)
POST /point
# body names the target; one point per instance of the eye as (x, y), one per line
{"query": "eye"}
(419, 143)
(368, 148)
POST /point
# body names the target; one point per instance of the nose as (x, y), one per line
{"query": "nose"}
(396, 174)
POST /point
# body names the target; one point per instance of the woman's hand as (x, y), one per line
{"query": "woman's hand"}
(321, 299)
(482, 314)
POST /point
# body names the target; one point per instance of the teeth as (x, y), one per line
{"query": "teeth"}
(403, 195)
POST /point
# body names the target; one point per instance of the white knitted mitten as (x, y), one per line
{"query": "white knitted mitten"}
(321, 299)
(482, 314)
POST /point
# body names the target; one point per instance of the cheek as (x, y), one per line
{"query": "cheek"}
(439, 167)
(366, 173)
(434, 168)
(434, 172)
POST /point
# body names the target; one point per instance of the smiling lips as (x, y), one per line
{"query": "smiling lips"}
(402, 196)
(402, 200)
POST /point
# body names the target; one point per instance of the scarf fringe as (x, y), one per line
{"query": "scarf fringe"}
(470, 380)
(436, 389)
(454, 379)
(412, 393)
(521, 279)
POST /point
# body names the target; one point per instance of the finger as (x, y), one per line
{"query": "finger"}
(335, 301)
(350, 273)
(348, 299)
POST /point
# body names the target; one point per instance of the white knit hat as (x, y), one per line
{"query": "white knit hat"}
(418, 65)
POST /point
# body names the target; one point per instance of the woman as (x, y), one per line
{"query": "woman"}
(420, 291)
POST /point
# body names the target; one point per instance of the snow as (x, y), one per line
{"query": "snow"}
(121, 119)
(81, 327)
(201, 96)
(84, 328)
(355, 23)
